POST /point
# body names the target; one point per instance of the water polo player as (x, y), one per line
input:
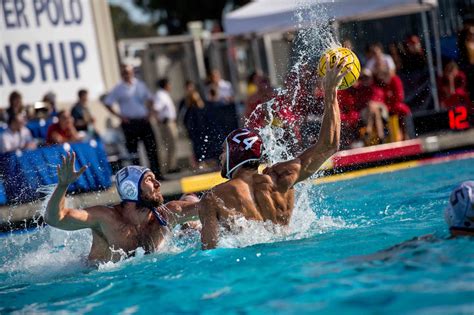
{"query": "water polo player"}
(270, 195)
(140, 220)
(459, 214)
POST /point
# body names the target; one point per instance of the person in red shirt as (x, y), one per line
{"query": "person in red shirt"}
(369, 102)
(394, 96)
(452, 87)
(62, 131)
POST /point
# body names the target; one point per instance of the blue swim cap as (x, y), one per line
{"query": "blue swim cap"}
(460, 212)
(128, 180)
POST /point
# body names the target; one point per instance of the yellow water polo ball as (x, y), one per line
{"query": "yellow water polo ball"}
(352, 60)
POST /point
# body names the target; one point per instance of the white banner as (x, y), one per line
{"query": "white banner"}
(48, 45)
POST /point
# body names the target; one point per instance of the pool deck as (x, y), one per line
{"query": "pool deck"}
(344, 165)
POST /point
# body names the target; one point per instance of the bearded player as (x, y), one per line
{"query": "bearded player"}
(140, 220)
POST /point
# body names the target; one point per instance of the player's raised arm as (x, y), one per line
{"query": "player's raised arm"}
(329, 137)
(57, 214)
(307, 163)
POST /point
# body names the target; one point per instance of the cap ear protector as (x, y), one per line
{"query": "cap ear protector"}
(242, 146)
(128, 180)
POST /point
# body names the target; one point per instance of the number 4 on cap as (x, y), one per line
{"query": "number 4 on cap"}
(247, 141)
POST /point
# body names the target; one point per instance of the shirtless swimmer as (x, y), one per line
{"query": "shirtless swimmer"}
(269, 195)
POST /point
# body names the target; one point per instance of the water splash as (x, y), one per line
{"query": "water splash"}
(311, 40)
(45, 253)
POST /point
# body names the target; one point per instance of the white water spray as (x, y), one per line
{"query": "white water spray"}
(311, 40)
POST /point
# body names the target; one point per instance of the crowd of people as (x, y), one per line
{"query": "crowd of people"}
(374, 110)
(27, 127)
(139, 110)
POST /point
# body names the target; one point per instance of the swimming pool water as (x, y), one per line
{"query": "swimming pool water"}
(330, 263)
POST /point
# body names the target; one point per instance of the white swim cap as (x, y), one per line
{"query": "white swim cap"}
(460, 212)
(128, 180)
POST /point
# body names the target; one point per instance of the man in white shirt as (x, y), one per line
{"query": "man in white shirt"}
(225, 92)
(17, 136)
(135, 102)
(165, 112)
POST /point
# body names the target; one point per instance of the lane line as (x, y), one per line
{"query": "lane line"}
(204, 182)
(393, 168)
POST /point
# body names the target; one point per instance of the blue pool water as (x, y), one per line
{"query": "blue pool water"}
(330, 262)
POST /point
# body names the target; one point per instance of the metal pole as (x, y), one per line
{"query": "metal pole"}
(267, 42)
(234, 78)
(256, 53)
(426, 34)
(199, 54)
(437, 42)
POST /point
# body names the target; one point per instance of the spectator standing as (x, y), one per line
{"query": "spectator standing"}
(16, 136)
(194, 120)
(83, 120)
(415, 74)
(165, 112)
(135, 102)
(225, 92)
(63, 131)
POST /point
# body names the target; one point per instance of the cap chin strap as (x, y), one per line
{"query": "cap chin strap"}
(229, 173)
(159, 217)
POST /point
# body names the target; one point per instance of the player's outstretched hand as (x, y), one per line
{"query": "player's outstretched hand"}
(66, 172)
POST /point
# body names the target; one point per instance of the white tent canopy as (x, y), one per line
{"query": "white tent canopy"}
(265, 16)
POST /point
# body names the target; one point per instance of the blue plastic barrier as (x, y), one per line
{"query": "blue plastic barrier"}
(24, 172)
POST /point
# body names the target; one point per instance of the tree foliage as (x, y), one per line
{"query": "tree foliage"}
(124, 27)
(175, 14)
